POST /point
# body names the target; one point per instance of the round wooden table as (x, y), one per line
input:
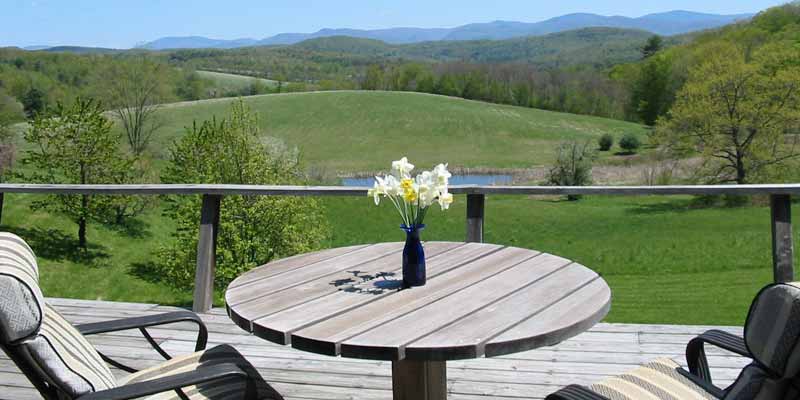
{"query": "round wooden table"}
(481, 300)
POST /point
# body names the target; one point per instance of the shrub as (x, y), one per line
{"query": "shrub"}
(573, 166)
(605, 142)
(630, 143)
(253, 229)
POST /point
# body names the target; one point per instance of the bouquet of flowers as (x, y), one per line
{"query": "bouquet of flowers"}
(413, 196)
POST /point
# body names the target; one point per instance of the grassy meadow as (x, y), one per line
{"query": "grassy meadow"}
(667, 259)
(364, 131)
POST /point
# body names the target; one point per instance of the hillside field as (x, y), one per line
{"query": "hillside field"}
(347, 131)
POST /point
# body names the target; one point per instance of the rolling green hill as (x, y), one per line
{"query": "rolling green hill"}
(363, 131)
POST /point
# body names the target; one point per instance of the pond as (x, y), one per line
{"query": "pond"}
(471, 179)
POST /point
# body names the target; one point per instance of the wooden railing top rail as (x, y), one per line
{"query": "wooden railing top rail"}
(214, 189)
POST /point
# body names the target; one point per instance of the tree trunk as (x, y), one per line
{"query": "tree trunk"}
(82, 233)
(82, 222)
(741, 173)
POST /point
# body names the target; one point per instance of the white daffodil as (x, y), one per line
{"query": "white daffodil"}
(445, 199)
(402, 167)
(392, 185)
(375, 195)
(427, 190)
(441, 175)
(380, 185)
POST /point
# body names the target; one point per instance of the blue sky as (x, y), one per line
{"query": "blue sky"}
(122, 24)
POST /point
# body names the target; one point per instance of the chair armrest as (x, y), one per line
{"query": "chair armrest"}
(174, 382)
(142, 323)
(696, 354)
(575, 392)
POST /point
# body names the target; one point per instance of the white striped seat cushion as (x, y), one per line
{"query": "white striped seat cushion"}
(230, 389)
(656, 380)
(68, 359)
(20, 298)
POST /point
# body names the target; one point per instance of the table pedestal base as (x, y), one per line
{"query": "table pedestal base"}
(419, 380)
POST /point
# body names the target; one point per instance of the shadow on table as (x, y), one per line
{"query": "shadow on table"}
(364, 283)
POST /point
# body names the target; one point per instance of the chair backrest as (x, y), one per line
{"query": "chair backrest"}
(772, 335)
(57, 359)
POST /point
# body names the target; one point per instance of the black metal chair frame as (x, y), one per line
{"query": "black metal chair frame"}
(150, 387)
(699, 372)
(142, 323)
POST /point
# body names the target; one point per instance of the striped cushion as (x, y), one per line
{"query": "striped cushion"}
(657, 380)
(67, 358)
(20, 297)
(217, 390)
(772, 330)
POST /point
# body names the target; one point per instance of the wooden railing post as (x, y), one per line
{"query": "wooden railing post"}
(782, 244)
(475, 203)
(206, 254)
(2, 198)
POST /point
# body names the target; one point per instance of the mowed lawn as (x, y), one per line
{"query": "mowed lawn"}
(666, 261)
(363, 131)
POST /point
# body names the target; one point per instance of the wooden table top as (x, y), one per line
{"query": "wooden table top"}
(480, 300)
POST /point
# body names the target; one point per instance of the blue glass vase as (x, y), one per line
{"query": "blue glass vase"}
(413, 257)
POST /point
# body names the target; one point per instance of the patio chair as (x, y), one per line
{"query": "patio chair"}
(59, 361)
(771, 340)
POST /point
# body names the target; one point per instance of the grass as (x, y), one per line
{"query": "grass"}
(665, 260)
(232, 83)
(363, 131)
(107, 271)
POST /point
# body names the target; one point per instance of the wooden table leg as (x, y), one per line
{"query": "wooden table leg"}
(419, 380)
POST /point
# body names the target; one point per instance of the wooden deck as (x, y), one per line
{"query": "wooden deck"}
(605, 350)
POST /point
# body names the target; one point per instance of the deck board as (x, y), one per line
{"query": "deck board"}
(606, 349)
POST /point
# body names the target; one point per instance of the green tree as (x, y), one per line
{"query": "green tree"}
(651, 94)
(192, 86)
(447, 86)
(135, 90)
(654, 44)
(33, 102)
(74, 145)
(741, 117)
(426, 83)
(10, 112)
(253, 229)
(573, 166)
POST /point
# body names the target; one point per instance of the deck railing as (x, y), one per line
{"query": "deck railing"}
(780, 206)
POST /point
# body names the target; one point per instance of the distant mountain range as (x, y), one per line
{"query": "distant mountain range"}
(667, 23)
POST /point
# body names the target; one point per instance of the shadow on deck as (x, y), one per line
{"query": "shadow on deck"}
(607, 349)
